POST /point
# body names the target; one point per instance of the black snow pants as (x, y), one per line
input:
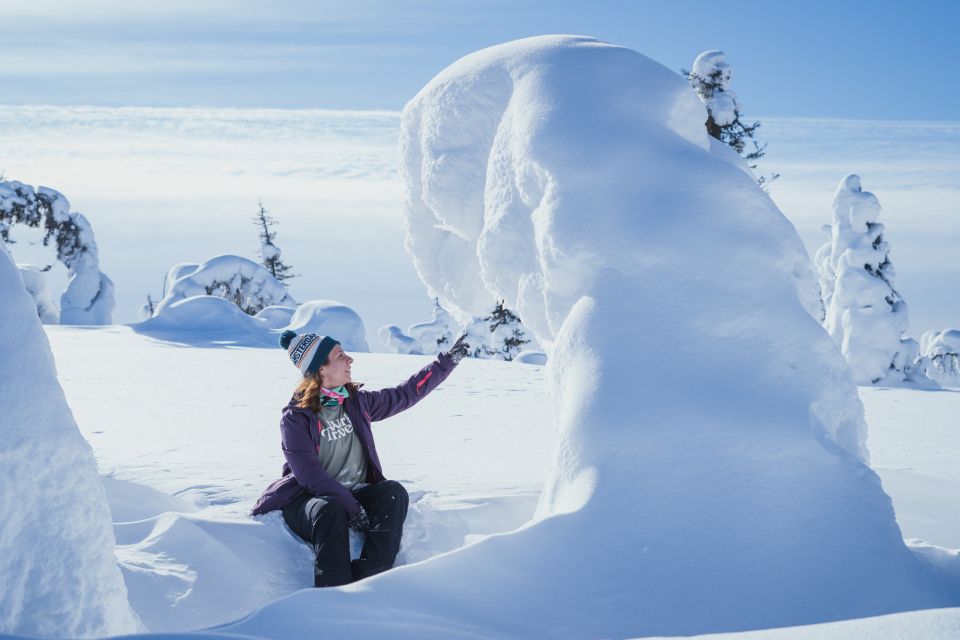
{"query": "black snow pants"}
(323, 524)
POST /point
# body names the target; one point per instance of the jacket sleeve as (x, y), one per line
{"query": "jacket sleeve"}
(302, 457)
(384, 403)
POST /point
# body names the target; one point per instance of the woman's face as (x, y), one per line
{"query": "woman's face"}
(336, 370)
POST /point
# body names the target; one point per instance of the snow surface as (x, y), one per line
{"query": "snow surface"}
(181, 477)
(59, 575)
(507, 154)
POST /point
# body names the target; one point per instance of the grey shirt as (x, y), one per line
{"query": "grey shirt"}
(341, 452)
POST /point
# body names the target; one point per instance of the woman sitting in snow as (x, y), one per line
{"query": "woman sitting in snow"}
(332, 479)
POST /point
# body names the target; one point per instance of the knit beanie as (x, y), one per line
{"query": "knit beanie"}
(308, 351)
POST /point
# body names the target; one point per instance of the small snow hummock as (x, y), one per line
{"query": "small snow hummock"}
(57, 567)
(330, 318)
(35, 281)
(864, 314)
(89, 296)
(941, 352)
(244, 282)
(497, 335)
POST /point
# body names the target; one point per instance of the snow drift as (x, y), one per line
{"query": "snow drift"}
(575, 180)
(57, 567)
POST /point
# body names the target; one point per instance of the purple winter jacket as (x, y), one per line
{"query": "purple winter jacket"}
(300, 439)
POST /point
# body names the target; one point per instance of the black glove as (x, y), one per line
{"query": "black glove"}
(360, 522)
(460, 349)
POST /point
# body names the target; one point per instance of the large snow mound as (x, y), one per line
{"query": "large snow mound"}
(246, 283)
(574, 180)
(59, 575)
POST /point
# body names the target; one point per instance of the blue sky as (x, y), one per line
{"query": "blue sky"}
(860, 60)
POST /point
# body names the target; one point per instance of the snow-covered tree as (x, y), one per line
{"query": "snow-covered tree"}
(497, 336)
(88, 297)
(269, 251)
(940, 356)
(710, 78)
(865, 315)
(59, 574)
(245, 283)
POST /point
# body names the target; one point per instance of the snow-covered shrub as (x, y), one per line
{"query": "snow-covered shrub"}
(865, 315)
(329, 318)
(710, 78)
(498, 335)
(243, 282)
(58, 573)
(575, 180)
(35, 281)
(89, 297)
(940, 356)
(429, 337)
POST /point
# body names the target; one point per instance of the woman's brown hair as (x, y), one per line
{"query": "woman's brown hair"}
(308, 392)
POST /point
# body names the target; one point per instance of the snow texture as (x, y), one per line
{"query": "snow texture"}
(941, 353)
(865, 315)
(330, 318)
(59, 575)
(35, 281)
(244, 282)
(573, 179)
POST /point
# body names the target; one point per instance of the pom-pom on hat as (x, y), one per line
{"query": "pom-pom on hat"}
(308, 351)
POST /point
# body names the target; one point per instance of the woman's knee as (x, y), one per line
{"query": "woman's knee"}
(397, 491)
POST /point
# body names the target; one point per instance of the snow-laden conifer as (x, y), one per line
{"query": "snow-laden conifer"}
(269, 251)
(710, 78)
(864, 314)
(940, 353)
(499, 335)
(88, 298)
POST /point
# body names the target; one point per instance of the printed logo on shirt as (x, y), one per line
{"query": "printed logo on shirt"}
(336, 429)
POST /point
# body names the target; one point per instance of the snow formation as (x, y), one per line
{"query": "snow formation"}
(59, 575)
(431, 337)
(244, 282)
(941, 352)
(330, 318)
(864, 313)
(574, 179)
(88, 298)
(35, 281)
